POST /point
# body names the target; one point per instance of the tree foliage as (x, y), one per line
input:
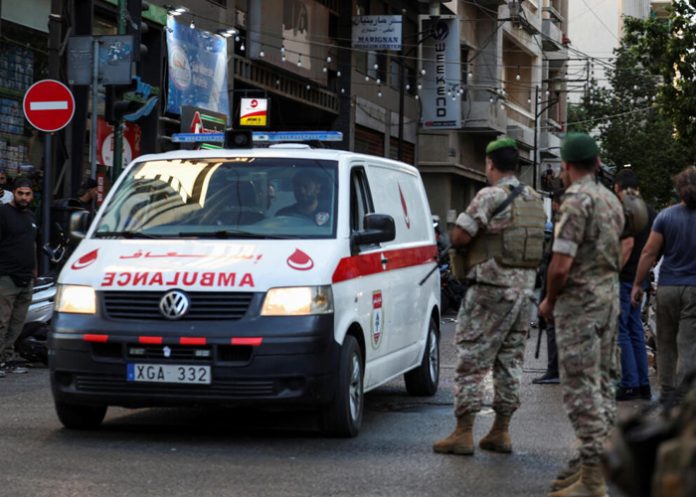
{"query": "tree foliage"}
(644, 118)
(678, 67)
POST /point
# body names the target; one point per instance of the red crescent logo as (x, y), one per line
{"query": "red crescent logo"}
(86, 260)
(300, 261)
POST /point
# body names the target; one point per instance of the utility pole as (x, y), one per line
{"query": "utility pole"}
(117, 164)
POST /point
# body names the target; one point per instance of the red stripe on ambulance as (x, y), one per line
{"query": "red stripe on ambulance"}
(253, 341)
(366, 264)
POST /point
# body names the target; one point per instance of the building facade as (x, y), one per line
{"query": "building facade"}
(505, 74)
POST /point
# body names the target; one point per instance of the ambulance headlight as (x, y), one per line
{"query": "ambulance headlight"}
(298, 301)
(76, 299)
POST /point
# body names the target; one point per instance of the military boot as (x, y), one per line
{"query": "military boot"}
(461, 440)
(498, 439)
(590, 484)
(568, 475)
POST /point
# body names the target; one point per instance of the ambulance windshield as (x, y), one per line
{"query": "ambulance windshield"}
(241, 197)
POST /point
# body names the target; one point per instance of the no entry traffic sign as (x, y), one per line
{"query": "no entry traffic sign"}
(48, 105)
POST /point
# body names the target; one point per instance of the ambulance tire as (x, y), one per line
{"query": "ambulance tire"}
(424, 380)
(79, 416)
(343, 416)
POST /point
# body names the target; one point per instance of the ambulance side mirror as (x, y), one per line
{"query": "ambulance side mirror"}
(378, 228)
(79, 223)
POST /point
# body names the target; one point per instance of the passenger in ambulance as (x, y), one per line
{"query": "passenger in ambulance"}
(308, 199)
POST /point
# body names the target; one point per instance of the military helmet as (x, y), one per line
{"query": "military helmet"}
(636, 213)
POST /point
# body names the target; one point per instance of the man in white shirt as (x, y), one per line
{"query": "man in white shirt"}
(5, 193)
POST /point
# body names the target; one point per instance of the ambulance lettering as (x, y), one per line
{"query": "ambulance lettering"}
(184, 279)
(377, 325)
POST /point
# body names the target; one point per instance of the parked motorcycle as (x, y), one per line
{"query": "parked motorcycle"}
(31, 343)
(451, 289)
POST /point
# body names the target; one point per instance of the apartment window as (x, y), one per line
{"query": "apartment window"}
(377, 65)
(362, 7)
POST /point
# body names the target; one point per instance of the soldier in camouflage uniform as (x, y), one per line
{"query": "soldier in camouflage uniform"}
(583, 300)
(492, 322)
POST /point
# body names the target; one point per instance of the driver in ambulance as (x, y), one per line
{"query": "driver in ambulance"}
(308, 202)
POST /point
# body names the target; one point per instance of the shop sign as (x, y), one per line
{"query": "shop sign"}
(377, 32)
(253, 112)
(115, 59)
(197, 120)
(105, 143)
(442, 79)
(197, 62)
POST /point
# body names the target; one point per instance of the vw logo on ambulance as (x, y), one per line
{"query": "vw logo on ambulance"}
(174, 304)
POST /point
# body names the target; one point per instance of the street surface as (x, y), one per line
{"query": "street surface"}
(215, 452)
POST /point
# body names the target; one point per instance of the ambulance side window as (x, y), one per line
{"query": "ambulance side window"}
(360, 199)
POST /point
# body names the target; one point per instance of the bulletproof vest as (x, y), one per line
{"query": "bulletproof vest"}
(635, 212)
(520, 245)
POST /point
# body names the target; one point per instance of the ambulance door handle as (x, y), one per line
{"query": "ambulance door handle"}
(384, 260)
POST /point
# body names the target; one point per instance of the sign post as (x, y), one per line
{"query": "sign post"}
(48, 106)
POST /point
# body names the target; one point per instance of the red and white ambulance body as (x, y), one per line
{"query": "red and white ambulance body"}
(271, 275)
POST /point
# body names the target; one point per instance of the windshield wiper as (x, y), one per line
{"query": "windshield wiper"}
(230, 234)
(124, 234)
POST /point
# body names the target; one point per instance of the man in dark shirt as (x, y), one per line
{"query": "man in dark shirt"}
(307, 189)
(17, 268)
(634, 360)
(88, 195)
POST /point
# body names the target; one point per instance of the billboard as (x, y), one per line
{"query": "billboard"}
(377, 32)
(294, 30)
(197, 63)
(442, 79)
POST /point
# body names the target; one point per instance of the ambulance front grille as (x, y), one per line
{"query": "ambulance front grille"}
(205, 306)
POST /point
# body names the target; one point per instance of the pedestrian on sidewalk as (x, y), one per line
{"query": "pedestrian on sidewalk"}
(550, 377)
(635, 383)
(5, 193)
(18, 269)
(674, 236)
(503, 227)
(583, 300)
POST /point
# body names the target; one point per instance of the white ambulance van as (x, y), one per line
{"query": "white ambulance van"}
(280, 276)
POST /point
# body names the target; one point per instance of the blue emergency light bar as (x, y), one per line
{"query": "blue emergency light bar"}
(297, 136)
(197, 137)
(259, 136)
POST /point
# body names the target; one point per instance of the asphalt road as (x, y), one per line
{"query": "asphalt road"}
(215, 452)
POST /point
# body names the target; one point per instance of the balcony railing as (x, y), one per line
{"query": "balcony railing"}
(479, 113)
(552, 39)
(273, 81)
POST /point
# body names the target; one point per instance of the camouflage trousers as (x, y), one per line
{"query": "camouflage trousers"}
(491, 332)
(586, 335)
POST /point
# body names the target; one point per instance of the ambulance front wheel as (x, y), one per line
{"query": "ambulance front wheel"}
(78, 416)
(424, 380)
(343, 416)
